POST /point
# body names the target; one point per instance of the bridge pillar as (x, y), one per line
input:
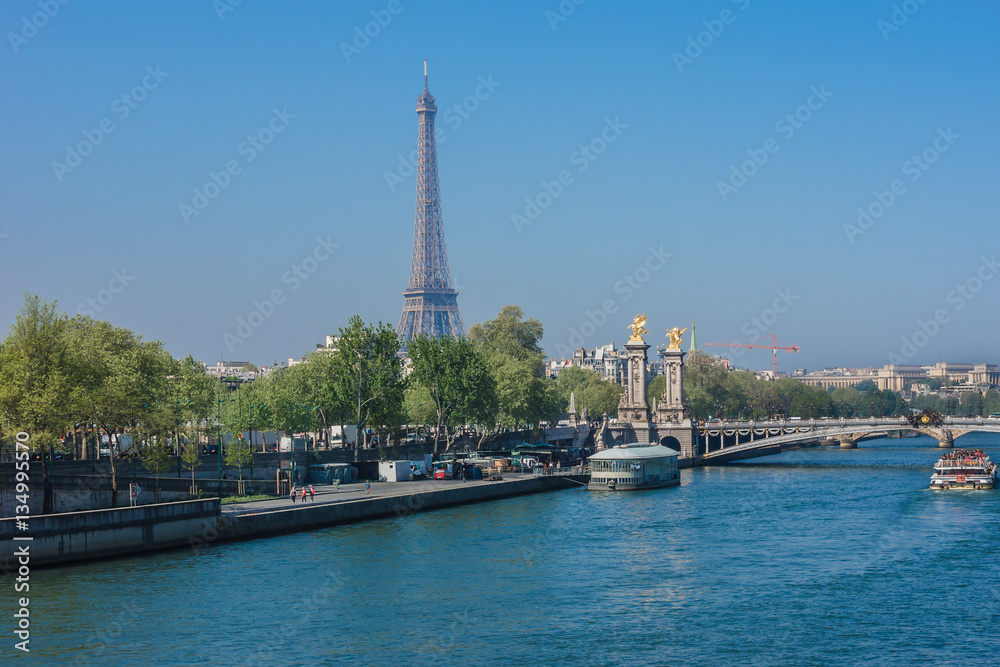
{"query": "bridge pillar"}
(847, 443)
(946, 443)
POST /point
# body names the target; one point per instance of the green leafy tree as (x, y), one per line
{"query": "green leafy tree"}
(654, 389)
(419, 405)
(515, 360)
(239, 455)
(590, 391)
(369, 373)
(509, 333)
(191, 457)
(457, 379)
(36, 380)
(154, 453)
(121, 379)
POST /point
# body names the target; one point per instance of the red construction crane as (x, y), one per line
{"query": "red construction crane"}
(774, 347)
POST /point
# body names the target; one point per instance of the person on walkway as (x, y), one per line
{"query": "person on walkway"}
(292, 493)
(368, 488)
(312, 493)
(304, 495)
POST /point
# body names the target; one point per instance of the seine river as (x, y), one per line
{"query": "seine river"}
(811, 557)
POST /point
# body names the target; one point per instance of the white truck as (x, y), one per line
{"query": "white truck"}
(348, 436)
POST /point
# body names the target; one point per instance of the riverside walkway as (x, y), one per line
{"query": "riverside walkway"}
(349, 503)
(327, 494)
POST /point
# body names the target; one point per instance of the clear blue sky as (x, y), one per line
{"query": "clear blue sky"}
(678, 127)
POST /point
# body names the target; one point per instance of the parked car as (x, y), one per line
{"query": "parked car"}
(440, 473)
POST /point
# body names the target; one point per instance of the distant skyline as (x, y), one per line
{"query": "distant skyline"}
(234, 179)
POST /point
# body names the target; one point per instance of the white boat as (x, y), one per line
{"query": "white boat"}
(632, 467)
(964, 469)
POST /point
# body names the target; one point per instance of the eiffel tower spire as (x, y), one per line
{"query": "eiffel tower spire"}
(430, 302)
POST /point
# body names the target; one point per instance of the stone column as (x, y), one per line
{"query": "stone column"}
(671, 407)
(632, 407)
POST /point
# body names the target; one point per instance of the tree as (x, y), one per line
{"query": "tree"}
(239, 455)
(457, 378)
(369, 372)
(192, 392)
(191, 456)
(655, 389)
(319, 387)
(811, 403)
(418, 405)
(121, 379)
(514, 358)
(510, 334)
(590, 390)
(708, 387)
(154, 453)
(36, 379)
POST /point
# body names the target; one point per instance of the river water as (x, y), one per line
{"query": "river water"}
(810, 557)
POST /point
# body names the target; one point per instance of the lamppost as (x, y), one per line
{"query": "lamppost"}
(253, 447)
(177, 431)
(291, 443)
(219, 403)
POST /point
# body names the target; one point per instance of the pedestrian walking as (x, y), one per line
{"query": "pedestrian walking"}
(304, 495)
(368, 488)
(292, 494)
(312, 493)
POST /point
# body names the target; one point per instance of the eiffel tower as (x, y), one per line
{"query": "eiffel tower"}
(430, 302)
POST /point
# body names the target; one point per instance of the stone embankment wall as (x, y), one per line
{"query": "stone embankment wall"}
(77, 536)
(58, 539)
(316, 516)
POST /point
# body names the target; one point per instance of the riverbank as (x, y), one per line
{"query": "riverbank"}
(60, 539)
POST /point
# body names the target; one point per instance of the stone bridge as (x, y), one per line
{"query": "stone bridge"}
(747, 435)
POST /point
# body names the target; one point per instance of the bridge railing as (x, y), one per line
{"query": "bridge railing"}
(843, 421)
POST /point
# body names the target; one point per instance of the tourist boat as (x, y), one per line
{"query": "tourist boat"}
(634, 466)
(964, 469)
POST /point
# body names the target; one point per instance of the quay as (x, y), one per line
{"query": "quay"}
(60, 539)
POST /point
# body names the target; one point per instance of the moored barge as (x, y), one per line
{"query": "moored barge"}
(632, 467)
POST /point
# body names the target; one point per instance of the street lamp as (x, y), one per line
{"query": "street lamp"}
(219, 403)
(177, 431)
(291, 442)
(253, 447)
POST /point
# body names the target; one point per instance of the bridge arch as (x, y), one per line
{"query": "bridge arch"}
(847, 431)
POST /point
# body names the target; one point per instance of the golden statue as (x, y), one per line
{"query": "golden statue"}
(638, 328)
(675, 337)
